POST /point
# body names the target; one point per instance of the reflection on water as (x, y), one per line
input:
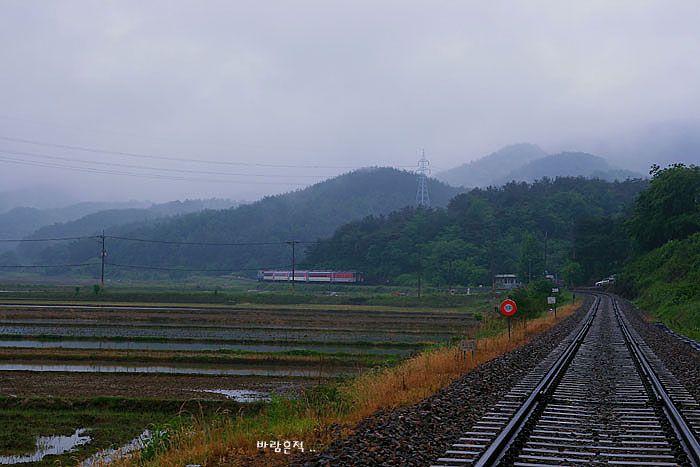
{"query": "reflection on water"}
(241, 395)
(12, 306)
(67, 344)
(46, 445)
(226, 371)
(106, 456)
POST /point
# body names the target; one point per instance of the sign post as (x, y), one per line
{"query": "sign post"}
(553, 301)
(466, 346)
(508, 308)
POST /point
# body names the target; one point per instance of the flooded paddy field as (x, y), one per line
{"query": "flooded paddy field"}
(75, 360)
(49, 431)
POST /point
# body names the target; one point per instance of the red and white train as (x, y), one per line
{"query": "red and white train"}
(311, 276)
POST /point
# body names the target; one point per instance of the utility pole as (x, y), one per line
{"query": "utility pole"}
(293, 242)
(419, 268)
(103, 259)
(529, 270)
(545, 254)
(493, 272)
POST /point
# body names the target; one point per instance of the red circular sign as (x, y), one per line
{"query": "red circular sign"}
(508, 307)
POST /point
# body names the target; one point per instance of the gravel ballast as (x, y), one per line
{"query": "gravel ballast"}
(420, 433)
(678, 357)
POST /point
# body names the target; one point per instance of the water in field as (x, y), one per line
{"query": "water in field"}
(190, 370)
(13, 306)
(106, 456)
(218, 333)
(241, 395)
(46, 445)
(183, 346)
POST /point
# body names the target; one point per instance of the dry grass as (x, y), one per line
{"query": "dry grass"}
(231, 440)
(418, 377)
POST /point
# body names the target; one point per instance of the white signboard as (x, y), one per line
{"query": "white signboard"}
(551, 300)
(468, 345)
(555, 289)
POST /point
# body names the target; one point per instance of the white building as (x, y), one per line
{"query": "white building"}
(506, 281)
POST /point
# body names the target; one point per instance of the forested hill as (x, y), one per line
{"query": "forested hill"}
(123, 219)
(506, 224)
(663, 273)
(567, 164)
(304, 215)
(19, 222)
(105, 219)
(492, 168)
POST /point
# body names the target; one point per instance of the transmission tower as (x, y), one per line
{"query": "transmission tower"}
(422, 197)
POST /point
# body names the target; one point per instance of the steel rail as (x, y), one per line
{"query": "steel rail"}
(498, 448)
(687, 438)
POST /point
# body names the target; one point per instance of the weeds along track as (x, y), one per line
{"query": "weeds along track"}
(601, 397)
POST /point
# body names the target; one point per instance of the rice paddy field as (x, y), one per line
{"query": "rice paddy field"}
(82, 376)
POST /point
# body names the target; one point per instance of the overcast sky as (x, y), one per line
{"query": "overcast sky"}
(185, 96)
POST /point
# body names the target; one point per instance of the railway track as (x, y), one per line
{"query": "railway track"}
(601, 397)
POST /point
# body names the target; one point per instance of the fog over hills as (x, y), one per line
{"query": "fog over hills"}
(568, 164)
(661, 143)
(308, 214)
(528, 162)
(22, 220)
(89, 218)
(486, 170)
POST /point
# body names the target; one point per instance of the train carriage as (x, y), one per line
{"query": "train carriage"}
(311, 276)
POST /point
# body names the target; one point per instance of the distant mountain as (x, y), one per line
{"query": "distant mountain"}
(263, 226)
(109, 218)
(488, 169)
(19, 222)
(568, 164)
(39, 197)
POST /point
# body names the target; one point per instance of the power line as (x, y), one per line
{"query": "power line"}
(174, 242)
(171, 158)
(165, 268)
(49, 265)
(132, 174)
(57, 239)
(164, 169)
(167, 242)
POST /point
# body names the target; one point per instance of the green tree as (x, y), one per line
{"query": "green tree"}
(669, 209)
(531, 257)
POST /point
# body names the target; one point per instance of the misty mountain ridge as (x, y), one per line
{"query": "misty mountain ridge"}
(90, 217)
(567, 164)
(486, 170)
(306, 215)
(104, 219)
(528, 162)
(21, 221)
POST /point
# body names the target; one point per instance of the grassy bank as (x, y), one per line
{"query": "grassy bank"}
(314, 417)
(664, 283)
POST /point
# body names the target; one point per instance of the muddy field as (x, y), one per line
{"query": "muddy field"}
(90, 377)
(87, 350)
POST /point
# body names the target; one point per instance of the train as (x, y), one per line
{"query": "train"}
(311, 276)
